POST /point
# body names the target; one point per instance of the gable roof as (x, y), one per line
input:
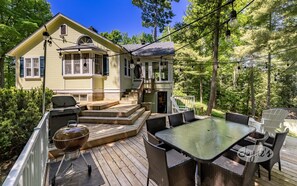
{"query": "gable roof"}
(155, 49)
(39, 31)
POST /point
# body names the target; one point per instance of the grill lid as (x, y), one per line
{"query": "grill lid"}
(71, 132)
(61, 101)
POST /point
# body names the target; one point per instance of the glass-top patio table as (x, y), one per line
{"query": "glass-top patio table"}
(205, 140)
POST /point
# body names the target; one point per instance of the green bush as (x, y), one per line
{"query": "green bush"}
(20, 112)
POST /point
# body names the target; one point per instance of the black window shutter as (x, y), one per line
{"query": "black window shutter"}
(41, 67)
(21, 67)
(105, 65)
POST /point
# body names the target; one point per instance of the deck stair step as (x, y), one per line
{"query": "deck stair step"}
(100, 105)
(113, 120)
(105, 133)
(121, 110)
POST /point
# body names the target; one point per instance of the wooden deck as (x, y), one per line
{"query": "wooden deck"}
(124, 163)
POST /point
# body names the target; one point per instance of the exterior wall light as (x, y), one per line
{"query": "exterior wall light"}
(45, 35)
(132, 65)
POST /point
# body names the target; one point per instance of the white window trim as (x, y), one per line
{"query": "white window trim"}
(32, 67)
(93, 66)
(81, 74)
(159, 80)
(66, 29)
(127, 68)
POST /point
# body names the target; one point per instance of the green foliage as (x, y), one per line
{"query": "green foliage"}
(123, 38)
(155, 13)
(115, 36)
(255, 36)
(20, 112)
(19, 19)
(287, 91)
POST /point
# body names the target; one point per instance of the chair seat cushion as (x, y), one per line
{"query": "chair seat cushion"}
(229, 165)
(174, 158)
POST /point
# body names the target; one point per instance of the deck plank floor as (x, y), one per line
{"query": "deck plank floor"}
(124, 163)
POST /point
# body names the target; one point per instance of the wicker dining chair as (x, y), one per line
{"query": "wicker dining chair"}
(176, 119)
(169, 168)
(237, 118)
(275, 145)
(154, 125)
(189, 116)
(229, 169)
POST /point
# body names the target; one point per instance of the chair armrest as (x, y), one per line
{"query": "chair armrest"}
(164, 146)
(152, 139)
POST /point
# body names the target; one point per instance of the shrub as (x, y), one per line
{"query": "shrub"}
(20, 112)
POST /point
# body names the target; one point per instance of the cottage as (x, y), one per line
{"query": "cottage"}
(90, 67)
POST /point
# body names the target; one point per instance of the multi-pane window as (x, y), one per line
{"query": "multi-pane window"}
(63, 30)
(127, 67)
(98, 64)
(76, 63)
(156, 72)
(68, 64)
(32, 67)
(164, 71)
(86, 63)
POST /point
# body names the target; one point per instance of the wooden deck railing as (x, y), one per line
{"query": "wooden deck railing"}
(30, 167)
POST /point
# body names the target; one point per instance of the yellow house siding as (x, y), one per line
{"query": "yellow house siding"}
(54, 78)
(126, 81)
(98, 83)
(112, 80)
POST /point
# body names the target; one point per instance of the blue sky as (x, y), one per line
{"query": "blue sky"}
(108, 15)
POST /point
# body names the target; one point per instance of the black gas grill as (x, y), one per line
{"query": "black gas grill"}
(65, 108)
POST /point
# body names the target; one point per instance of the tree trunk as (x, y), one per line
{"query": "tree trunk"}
(252, 92)
(2, 71)
(234, 76)
(155, 33)
(268, 80)
(212, 96)
(248, 100)
(201, 91)
(269, 68)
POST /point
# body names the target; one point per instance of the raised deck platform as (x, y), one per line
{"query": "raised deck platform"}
(124, 163)
(110, 124)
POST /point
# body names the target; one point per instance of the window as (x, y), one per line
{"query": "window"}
(164, 71)
(146, 70)
(156, 73)
(63, 30)
(127, 68)
(32, 67)
(68, 66)
(86, 63)
(84, 40)
(160, 71)
(83, 64)
(98, 64)
(76, 63)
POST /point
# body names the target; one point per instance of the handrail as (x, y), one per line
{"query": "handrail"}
(30, 167)
(182, 103)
